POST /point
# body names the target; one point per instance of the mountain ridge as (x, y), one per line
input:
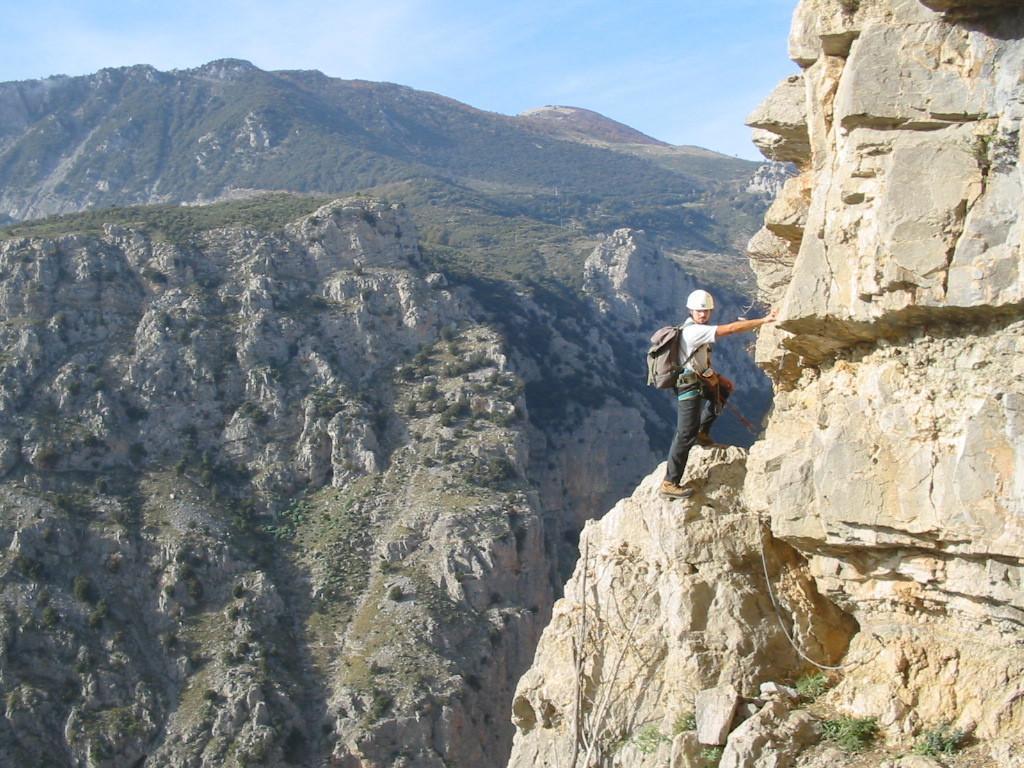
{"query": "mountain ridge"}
(131, 135)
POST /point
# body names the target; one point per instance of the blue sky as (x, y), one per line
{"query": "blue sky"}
(684, 71)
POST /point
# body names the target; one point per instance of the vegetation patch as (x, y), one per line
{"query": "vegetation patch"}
(810, 687)
(84, 590)
(333, 533)
(851, 734)
(177, 223)
(687, 721)
(711, 756)
(648, 739)
(380, 705)
(944, 739)
(290, 520)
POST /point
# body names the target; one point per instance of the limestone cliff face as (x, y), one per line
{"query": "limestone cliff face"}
(890, 470)
(893, 457)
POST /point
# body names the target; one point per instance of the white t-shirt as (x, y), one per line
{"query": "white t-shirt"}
(696, 335)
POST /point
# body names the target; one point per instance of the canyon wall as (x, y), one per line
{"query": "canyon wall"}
(292, 495)
(262, 501)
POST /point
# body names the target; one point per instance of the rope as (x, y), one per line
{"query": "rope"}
(778, 615)
(741, 418)
(724, 403)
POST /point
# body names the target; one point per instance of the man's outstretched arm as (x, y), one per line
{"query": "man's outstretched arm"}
(741, 326)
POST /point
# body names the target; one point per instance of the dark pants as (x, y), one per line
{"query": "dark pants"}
(693, 415)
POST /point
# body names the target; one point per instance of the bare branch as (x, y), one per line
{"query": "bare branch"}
(579, 659)
(609, 687)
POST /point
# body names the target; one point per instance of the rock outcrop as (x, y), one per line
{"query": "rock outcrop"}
(769, 179)
(669, 599)
(893, 457)
(889, 477)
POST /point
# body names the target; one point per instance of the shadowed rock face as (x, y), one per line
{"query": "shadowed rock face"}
(979, 7)
(890, 472)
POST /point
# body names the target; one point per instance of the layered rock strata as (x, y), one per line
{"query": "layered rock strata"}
(893, 457)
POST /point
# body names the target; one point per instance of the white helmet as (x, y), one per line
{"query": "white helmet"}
(700, 300)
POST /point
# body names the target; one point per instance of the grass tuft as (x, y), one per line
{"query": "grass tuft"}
(687, 721)
(711, 756)
(944, 739)
(648, 738)
(810, 687)
(851, 734)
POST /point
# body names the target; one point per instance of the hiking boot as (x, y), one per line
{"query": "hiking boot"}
(672, 491)
(703, 438)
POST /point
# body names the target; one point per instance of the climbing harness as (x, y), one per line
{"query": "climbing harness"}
(778, 615)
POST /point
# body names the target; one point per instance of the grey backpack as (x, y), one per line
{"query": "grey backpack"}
(663, 356)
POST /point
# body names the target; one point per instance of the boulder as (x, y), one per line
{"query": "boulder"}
(773, 737)
(716, 708)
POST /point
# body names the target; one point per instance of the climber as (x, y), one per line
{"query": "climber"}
(700, 392)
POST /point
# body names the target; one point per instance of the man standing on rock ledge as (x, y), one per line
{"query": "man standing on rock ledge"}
(700, 392)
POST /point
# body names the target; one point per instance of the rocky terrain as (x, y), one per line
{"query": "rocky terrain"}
(289, 495)
(885, 494)
(264, 502)
(669, 599)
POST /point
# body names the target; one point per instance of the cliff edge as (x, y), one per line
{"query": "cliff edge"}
(886, 492)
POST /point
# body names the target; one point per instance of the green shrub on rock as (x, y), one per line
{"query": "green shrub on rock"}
(98, 614)
(687, 721)
(810, 687)
(941, 740)
(648, 738)
(83, 589)
(711, 756)
(851, 734)
(380, 706)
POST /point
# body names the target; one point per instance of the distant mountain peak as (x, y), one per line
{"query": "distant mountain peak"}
(585, 124)
(225, 69)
